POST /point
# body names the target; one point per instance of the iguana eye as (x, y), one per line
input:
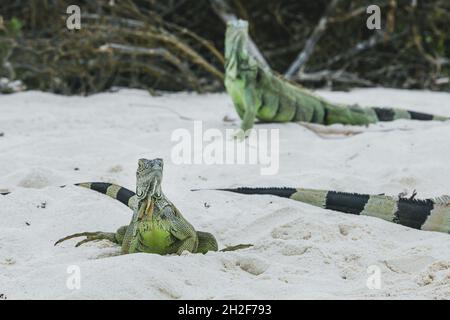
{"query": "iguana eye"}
(158, 162)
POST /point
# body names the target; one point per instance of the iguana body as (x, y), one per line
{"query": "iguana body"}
(259, 93)
(429, 214)
(156, 226)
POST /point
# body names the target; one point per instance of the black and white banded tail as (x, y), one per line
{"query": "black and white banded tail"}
(124, 195)
(391, 114)
(127, 197)
(428, 214)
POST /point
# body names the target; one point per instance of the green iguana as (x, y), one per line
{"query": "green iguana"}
(429, 214)
(156, 226)
(259, 93)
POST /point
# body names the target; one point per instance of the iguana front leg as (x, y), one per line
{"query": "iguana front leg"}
(190, 243)
(251, 105)
(97, 236)
(206, 242)
(182, 230)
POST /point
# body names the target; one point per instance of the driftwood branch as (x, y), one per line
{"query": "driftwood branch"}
(304, 56)
(170, 39)
(332, 76)
(160, 52)
(410, 52)
(131, 23)
(359, 47)
(340, 132)
(222, 9)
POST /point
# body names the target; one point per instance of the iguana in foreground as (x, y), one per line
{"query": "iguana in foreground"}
(259, 93)
(157, 226)
(428, 214)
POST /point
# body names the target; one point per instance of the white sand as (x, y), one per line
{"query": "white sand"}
(300, 251)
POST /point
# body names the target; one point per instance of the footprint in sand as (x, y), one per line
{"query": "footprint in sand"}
(437, 273)
(38, 178)
(253, 266)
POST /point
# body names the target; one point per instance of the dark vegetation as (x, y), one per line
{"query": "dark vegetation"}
(178, 44)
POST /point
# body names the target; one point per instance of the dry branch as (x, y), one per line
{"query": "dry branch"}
(304, 56)
(330, 76)
(160, 52)
(411, 52)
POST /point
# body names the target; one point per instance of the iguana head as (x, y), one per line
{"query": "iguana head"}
(236, 50)
(148, 184)
(148, 178)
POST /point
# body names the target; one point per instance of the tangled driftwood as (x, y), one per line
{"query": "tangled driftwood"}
(178, 44)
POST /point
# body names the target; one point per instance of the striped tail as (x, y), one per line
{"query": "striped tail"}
(391, 114)
(279, 192)
(429, 214)
(127, 197)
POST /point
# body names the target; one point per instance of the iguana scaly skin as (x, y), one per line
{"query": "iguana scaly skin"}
(259, 93)
(428, 214)
(156, 226)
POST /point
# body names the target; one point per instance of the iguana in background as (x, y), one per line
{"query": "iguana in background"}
(428, 214)
(258, 92)
(156, 226)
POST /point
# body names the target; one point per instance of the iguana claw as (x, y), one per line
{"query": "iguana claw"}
(90, 236)
(240, 135)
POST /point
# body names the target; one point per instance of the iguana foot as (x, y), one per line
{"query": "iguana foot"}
(241, 135)
(90, 236)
